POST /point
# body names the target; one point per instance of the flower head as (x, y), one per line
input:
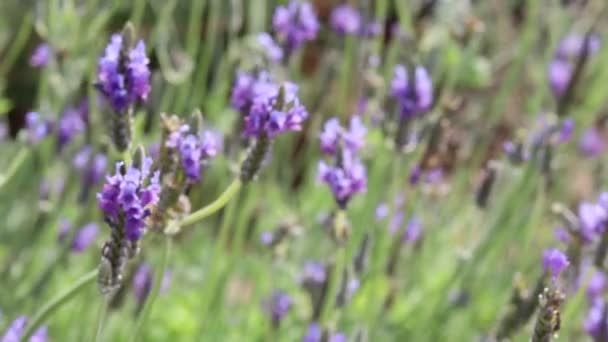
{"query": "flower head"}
(40, 57)
(596, 285)
(70, 124)
(15, 330)
(127, 197)
(272, 50)
(592, 142)
(554, 262)
(278, 305)
(36, 127)
(249, 87)
(413, 91)
(85, 237)
(295, 24)
(123, 75)
(313, 334)
(194, 150)
(346, 20)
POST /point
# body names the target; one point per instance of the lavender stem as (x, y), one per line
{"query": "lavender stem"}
(214, 206)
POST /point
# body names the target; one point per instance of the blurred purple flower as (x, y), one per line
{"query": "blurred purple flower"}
(554, 262)
(314, 272)
(560, 73)
(278, 306)
(346, 20)
(414, 95)
(413, 231)
(592, 142)
(85, 237)
(596, 285)
(563, 235)
(595, 321)
(142, 282)
(295, 24)
(592, 217)
(15, 330)
(248, 87)
(70, 124)
(194, 150)
(382, 211)
(572, 46)
(36, 127)
(313, 333)
(337, 337)
(40, 335)
(272, 50)
(40, 57)
(566, 131)
(65, 226)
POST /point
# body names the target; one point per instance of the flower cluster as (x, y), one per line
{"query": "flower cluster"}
(592, 142)
(143, 281)
(595, 321)
(123, 74)
(315, 334)
(126, 199)
(91, 167)
(412, 91)
(248, 87)
(278, 306)
(194, 150)
(347, 176)
(36, 127)
(70, 124)
(554, 262)
(295, 24)
(271, 49)
(345, 19)
(561, 69)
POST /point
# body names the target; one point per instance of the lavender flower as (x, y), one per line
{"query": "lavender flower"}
(595, 321)
(592, 143)
(91, 168)
(592, 218)
(313, 334)
(272, 50)
(278, 306)
(271, 118)
(596, 285)
(248, 87)
(413, 231)
(346, 20)
(40, 335)
(194, 150)
(36, 127)
(414, 95)
(142, 282)
(70, 124)
(382, 211)
(314, 273)
(126, 199)
(295, 24)
(40, 57)
(85, 237)
(123, 74)
(560, 73)
(554, 262)
(566, 130)
(348, 176)
(65, 226)
(15, 330)
(573, 45)
(337, 337)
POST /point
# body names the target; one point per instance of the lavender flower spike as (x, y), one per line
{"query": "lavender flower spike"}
(15, 330)
(279, 305)
(40, 57)
(413, 91)
(346, 20)
(85, 237)
(295, 24)
(554, 262)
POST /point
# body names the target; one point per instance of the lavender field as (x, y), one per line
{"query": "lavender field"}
(303, 170)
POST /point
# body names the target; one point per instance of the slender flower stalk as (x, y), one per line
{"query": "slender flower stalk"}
(63, 297)
(214, 206)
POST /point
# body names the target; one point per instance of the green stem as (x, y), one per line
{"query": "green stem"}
(12, 169)
(57, 302)
(158, 279)
(214, 206)
(334, 285)
(101, 318)
(19, 42)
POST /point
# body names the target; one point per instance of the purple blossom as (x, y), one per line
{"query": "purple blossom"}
(572, 46)
(295, 24)
(566, 130)
(142, 282)
(314, 272)
(91, 167)
(413, 231)
(382, 211)
(596, 285)
(265, 118)
(595, 322)
(15, 330)
(272, 50)
(560, 73)
(194, 150)
(554, 262)
(346, 20)
(278, 306)
(85, 237)
(70, 124)
(36, 127)
(592, 143)
(40, 335)
(126, 198)
(313, 333)
(123, 77)
(337, 337)
(344, 181)
(592, 218)
(40, 57)
(248, 87)
(563, 235)
(65, 226)
(413, 95)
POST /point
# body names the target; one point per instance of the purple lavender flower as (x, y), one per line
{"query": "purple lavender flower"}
(65, 226)
(554, 262)
(15, 330)
(346, 20)
(596, 285)
(40, 57)
(91, 168)
(70, 124)
(595, 322)
(271, 49)
(278, 306)
(572, 46)
(313, 334)
(126, 198)
(563, 235)
(36, 127)
(592, 218)
(592, 143)
(414, 95)
(295, 24)
(560, 73)
(40, 335)
(123, 76)
(265, 118)
(314, 272)
(85, 237)
(566, 130)
(248, 87)
(344, 181)
(382, 211)
(337, 337)
(142, 282)
(413, 231)
(194, 150)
